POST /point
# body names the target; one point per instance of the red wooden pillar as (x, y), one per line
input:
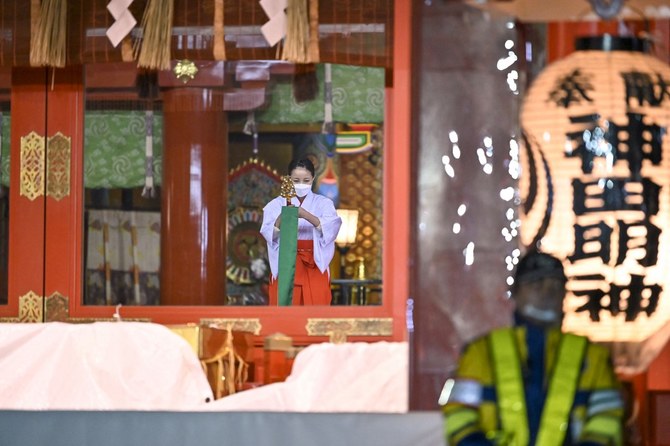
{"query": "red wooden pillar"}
(63, 250)
(194, 194)
(27, 208)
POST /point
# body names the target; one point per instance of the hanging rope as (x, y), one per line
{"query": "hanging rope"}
(154, 51)
(48, 43)
(219, 36)
(297, 32)
(314, 56)
(127, 50)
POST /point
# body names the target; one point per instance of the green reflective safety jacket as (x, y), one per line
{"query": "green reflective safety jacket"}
(583, 402)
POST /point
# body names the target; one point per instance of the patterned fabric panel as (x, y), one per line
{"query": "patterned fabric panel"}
(358, 96)
(114, 144)
(122, 288)
(122, 257)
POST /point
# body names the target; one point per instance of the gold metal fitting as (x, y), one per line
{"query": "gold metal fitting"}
(185, 70)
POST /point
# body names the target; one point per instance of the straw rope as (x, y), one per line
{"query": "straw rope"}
(48, 43)
(154, 52)
(297, 32)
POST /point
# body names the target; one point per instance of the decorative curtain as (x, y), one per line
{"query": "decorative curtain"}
(114, 144)
(358, 97)
(122, 257)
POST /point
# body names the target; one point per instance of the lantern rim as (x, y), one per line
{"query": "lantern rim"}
(607, 42)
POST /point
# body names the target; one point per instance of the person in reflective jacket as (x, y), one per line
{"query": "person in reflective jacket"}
(531, 384)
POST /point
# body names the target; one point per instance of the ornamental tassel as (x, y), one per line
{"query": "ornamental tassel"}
(48, 43)
(219, 36)
(250, 124)
(250, 128)
(149, 190)
(297, 32)
(156, 35)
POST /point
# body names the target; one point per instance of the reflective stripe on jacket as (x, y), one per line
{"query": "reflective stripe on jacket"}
(582, 402)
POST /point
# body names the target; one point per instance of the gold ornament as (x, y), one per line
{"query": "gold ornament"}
(185, 70)
(287, 189)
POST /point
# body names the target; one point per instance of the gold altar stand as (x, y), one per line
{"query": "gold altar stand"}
(226, 355)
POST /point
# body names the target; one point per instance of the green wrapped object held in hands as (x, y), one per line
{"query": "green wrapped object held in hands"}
(288, 246)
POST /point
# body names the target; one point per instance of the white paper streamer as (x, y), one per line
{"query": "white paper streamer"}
(148, 190)
(275, 29)
(328, 126)
(124, 22)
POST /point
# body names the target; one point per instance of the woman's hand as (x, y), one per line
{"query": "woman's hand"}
(302, 213)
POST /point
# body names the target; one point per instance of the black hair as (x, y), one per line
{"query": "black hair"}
(305, 163)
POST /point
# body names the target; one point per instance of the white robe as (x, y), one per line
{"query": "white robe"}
(324, 240)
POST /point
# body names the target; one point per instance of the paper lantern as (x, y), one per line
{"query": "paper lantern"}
(597, 181)
(349, 229)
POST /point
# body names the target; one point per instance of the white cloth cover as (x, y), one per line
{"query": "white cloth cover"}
(99, 366)
(352, 377)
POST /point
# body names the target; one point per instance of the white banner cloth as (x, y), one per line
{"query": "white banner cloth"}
(352, 377)
(99, 366)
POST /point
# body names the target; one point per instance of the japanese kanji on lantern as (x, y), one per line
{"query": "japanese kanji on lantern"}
(597, 184)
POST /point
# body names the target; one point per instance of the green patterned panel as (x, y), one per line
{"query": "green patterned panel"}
(4, 132)
(358, 96)
(114, 149)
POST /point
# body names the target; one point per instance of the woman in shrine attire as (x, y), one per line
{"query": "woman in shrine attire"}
(318, 225)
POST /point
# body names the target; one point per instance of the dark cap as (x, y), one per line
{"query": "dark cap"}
(538, 265)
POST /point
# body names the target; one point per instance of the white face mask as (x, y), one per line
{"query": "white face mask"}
(547, 316)
(302, 189)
